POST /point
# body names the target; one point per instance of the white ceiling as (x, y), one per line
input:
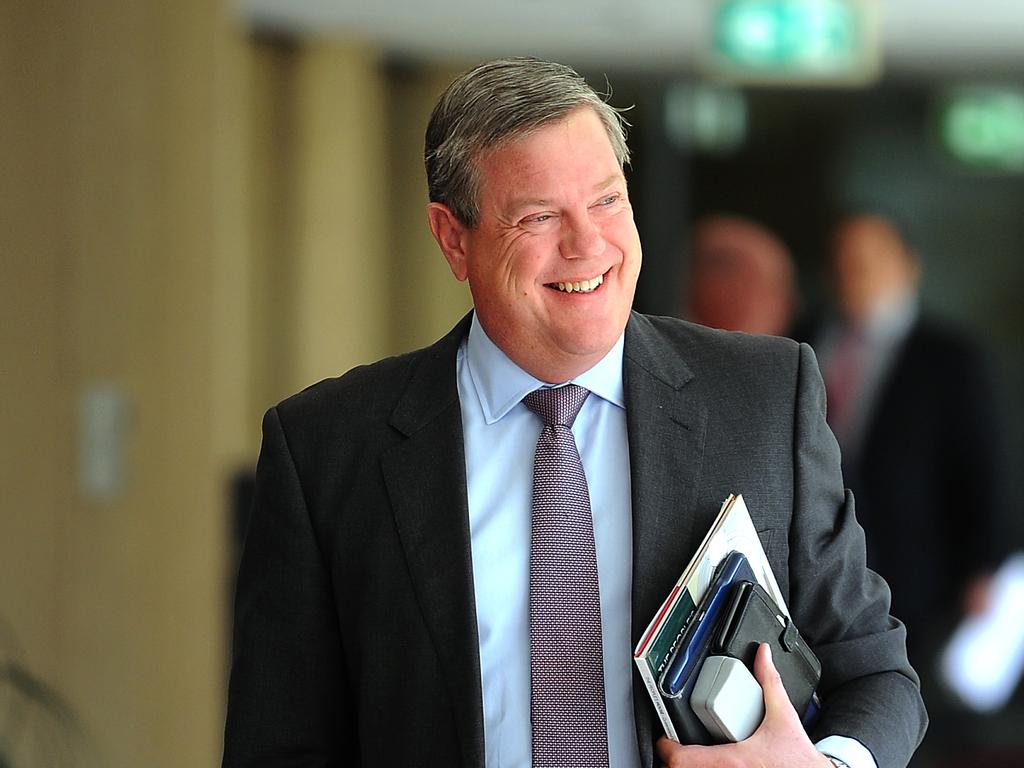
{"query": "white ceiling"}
(939, 38)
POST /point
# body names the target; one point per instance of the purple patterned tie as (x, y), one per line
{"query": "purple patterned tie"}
(567, 707)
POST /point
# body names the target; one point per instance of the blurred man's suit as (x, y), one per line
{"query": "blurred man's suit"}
(362, 483)
(926, 474)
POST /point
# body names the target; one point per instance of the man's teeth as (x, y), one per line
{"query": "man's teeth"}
(583, 286)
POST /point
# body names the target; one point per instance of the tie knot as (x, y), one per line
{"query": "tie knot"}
(557, 405)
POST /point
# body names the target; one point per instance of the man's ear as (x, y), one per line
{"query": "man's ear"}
(449, 233)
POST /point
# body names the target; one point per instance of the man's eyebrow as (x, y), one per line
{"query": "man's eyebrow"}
(525, 202)
(539, 202)
(610, 181)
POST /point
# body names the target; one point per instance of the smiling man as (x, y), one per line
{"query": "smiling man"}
(553, 260)
(451, 553)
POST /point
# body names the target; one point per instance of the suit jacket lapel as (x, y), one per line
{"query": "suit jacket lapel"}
(426, 480)
(666, 426)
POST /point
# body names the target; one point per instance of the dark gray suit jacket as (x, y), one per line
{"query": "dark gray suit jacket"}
(355, 633)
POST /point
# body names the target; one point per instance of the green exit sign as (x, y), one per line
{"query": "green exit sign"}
(793, 41)
(983, 127)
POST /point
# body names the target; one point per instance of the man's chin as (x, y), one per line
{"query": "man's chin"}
(589, 348)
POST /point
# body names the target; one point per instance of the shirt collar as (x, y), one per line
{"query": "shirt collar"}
(892, 319)
(501, 384)
(888, 323)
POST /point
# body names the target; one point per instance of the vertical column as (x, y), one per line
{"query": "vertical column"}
(427, 299)
(152, 238)
(36, 417)
(339, 261)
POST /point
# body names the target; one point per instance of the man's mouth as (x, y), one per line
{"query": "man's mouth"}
(581, 286)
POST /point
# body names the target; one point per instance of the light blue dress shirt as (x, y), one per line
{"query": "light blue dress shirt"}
(500, 437)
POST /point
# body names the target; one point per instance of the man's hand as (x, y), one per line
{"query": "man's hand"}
(779, 742)
(978, 595)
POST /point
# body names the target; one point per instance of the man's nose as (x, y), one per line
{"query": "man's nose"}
(582, 239)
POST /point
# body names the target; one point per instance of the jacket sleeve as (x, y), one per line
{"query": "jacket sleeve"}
(288, 701)
(869, 690)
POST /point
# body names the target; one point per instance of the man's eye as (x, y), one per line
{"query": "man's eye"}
(539, 218)
(608, 200)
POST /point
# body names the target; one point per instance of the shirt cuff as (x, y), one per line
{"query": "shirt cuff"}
(850, 751)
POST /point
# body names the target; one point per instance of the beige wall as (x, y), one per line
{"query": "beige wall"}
(427, 298)
(344, 268)
(203, 223)
(124, 223)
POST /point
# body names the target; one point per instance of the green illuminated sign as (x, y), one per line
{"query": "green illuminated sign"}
(794, 39)
(985, 127)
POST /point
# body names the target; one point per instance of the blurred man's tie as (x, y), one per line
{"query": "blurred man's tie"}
(843, 381)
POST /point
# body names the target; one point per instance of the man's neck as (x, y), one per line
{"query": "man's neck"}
(501, 382)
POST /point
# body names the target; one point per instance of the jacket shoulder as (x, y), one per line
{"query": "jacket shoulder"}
(365, 389)
(370, 393)
(712, 350)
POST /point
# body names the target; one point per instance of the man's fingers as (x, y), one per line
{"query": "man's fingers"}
(675, 755)
(776, 700)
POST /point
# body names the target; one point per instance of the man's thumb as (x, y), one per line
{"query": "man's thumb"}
(776, 700)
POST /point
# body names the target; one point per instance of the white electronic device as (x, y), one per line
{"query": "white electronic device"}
(727, 699)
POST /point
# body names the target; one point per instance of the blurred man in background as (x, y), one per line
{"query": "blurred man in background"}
(741, 277)
(911, 402)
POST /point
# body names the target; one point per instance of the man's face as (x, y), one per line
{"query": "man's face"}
(870, 267)
(553, 263)
(741, 281)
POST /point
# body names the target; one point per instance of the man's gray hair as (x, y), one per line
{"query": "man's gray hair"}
(493, 105)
